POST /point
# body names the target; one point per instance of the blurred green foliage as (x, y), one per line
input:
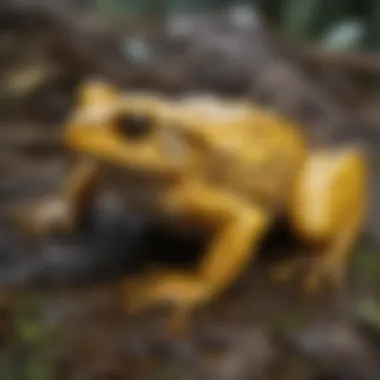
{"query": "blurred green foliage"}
(340, 25)
(30, 355)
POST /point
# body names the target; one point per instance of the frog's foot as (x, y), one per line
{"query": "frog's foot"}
(42, 218)
(180, 291)
(325, 273)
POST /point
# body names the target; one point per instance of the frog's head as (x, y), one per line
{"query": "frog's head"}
(133, 130)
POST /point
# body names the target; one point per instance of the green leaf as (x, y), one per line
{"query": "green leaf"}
(369, 312)
(297, 16)
(372, 19)
(347, 35)
(305, 19)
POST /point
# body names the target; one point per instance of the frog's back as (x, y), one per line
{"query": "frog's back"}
(260, 157)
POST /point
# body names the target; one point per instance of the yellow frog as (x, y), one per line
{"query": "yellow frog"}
(204, 163)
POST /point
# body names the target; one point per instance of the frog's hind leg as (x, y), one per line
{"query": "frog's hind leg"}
(328, 209)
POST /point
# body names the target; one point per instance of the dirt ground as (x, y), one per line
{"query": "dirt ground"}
(61, 309)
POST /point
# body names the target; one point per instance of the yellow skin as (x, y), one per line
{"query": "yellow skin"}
(213, 164)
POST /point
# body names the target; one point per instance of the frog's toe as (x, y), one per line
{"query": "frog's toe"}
(178, 291)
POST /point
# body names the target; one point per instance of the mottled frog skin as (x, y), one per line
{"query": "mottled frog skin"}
(228, 166)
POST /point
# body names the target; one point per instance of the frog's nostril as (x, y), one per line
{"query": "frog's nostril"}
(135, 125)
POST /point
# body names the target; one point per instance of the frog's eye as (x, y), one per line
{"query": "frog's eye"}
(134, 125)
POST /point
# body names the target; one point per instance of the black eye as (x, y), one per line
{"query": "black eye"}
(135, 125)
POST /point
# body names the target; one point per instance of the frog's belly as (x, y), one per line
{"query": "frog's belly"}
(145, 196)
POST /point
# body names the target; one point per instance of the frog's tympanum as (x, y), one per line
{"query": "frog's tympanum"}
(222, 165)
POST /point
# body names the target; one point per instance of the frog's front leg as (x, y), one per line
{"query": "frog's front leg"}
(240, 228)
(62, 211)
(328, 209)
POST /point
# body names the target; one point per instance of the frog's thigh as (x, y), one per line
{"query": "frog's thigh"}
(328, 207)
(239, 230)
